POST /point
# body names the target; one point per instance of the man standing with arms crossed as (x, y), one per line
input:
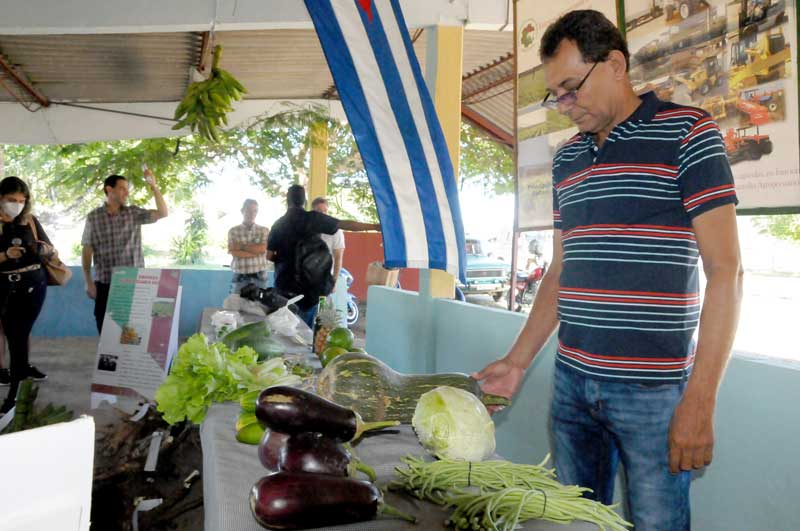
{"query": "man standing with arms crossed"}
(247, 244)
(640, 194)
(112, 237)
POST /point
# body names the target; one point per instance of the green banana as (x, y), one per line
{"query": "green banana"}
(204, 107)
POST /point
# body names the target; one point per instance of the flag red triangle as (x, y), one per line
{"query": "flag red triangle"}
(366, 5)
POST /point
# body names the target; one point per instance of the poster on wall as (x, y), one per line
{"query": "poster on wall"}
(734, 59)
(540, 131)
(140, 333)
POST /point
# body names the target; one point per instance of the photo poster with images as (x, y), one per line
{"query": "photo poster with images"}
(140, 333)
(736, 60)
(540, 131)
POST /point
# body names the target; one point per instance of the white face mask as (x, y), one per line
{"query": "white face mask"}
(12, 209)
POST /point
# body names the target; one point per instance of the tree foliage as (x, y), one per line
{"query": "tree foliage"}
(485, 162)
(273, 151)
(188, 248)
(785, 227)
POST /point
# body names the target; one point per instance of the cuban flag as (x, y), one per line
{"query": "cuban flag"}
(391, 113)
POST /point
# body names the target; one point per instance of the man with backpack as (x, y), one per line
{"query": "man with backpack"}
(303, 262)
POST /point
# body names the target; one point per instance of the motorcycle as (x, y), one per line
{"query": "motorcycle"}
(527, 286)
(352, 301)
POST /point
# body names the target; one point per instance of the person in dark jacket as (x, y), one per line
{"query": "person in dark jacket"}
(23, 278)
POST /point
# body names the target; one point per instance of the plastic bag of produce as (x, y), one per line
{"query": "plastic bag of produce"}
(224, 322)
(257, 336)
(287, 324)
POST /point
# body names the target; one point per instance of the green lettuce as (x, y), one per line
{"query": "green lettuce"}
(203, 374)
(453, 424)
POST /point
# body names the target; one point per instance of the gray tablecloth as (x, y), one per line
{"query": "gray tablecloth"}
(230, 469)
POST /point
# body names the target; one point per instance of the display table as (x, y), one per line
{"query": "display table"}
(230, 469)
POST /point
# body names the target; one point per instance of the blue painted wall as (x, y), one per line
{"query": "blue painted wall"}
(68, 311)
(754, 480)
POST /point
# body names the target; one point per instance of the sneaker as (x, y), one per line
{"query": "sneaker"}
(5, 377)
(36, 374)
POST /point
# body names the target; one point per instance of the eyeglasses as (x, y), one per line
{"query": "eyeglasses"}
(568, 98)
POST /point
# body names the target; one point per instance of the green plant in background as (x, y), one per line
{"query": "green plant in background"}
(784, 227)
(189, 248)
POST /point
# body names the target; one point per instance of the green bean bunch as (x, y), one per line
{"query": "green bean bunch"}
(504, 509)
(430, 480)
(497, 495)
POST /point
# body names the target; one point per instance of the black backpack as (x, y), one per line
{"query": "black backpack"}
(312, 268)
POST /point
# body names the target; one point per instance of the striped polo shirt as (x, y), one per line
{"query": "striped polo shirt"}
(629, 299)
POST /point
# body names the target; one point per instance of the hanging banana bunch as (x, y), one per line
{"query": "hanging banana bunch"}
(206, 103)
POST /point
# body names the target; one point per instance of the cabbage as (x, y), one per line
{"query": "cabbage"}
(454, 424)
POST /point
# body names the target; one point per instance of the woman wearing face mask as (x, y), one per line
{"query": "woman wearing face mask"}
(23, 279)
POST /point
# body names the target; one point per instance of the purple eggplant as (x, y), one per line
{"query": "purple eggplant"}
(270, 448)
(287, 500)
(290, 410)
(316, 454)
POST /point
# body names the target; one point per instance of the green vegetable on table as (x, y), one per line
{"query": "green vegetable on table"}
(498, 495)
(454, 424)
(257, 336)
(203, 374)
(377, 392)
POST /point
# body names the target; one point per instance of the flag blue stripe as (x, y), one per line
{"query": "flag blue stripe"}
(437, 250)
(440, 145)
(354, 101)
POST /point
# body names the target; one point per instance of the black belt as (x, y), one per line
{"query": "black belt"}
(17, 274)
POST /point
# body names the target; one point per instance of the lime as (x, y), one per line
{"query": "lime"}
(245, 418)
(329, 353)
(340, 337)
(250, 434)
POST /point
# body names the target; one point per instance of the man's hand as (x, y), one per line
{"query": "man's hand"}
(150, 179)
(91, 290)
(15, 252)
(501, 378)
(691, 435)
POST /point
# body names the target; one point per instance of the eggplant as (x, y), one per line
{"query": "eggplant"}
(316, 454)
(270, 448)
(290, 410)
(287, 500)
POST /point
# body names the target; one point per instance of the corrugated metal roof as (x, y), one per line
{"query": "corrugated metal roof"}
(104, 68)
(272, 64)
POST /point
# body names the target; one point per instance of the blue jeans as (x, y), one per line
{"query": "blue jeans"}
(309, 315)
(598, 423)
(241, 280)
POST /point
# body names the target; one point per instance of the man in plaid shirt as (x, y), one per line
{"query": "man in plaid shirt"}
(247, 243)
(112, 237)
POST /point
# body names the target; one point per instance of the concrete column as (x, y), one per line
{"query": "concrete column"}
(443, 72)
(318, 178)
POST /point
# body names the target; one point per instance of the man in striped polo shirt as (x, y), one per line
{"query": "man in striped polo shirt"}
(640, 194)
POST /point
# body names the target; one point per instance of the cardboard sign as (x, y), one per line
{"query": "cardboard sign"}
(140, 333)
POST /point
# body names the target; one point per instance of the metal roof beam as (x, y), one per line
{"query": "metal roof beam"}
(486, 125)
(37, 17)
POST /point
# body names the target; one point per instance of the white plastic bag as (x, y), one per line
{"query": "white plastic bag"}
(285, 323)
(223, 322)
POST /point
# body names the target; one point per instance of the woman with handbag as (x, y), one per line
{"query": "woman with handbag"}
(24, 248)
